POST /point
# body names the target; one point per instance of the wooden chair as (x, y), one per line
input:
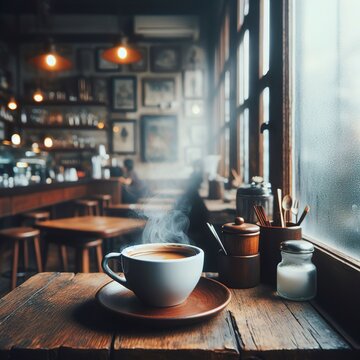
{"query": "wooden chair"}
(15, 236)
(104, 201)
(84, 207)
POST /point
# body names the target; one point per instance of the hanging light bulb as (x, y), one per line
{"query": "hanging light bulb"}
(38, 96)
(12, 105)
(15, 139)
(48, 142)
(122, 53)
(50, 60)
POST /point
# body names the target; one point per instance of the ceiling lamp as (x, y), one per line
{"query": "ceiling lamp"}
(122, 53)
(38, 96)
(12, 105)
(51, 61)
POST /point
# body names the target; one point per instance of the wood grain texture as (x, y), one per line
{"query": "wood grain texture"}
(55, 316)
(268, 325)
(214, 339)
(97, 226)
(58, 318)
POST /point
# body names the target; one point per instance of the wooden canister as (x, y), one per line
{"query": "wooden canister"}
(240, 238)
(270, 239)
(239, 272)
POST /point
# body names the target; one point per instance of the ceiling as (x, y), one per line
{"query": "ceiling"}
(121, 7)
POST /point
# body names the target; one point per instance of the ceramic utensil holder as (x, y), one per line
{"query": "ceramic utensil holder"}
(270, 239)
(239, 272)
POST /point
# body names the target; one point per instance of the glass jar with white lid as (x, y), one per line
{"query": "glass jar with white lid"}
(296, 274)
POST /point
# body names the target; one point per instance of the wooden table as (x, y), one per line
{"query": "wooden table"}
(92, 226)
(56, 316)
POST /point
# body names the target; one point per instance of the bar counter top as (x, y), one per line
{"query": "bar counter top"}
(19, 199)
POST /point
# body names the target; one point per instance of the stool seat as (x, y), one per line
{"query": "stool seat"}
(85, 202)
(105, 197)
(18, 233)
(37, 215)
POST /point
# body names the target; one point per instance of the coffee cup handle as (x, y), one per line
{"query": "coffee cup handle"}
(112, 274)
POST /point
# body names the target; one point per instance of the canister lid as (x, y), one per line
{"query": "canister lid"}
(256, 187)
(297, 247)
(240, 226)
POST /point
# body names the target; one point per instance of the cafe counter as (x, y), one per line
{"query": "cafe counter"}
(17, 200)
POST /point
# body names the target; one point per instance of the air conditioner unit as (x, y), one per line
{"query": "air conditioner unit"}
(162, 26)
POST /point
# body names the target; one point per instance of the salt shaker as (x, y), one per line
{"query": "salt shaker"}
(296, 274)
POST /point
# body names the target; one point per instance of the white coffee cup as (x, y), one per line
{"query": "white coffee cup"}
(159, 274)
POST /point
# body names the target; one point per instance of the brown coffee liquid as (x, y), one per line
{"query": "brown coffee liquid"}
(161, 255)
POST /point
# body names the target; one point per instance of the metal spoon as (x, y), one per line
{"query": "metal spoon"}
(286, 205)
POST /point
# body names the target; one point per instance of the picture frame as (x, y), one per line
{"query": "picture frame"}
(165, 59)
(193, 84)
(140, 66)
(123, 137)
(193, 57)
(100, 89)
(159, 141)
(103, 65)
(194, 108)
(158, 92)
(124, 93)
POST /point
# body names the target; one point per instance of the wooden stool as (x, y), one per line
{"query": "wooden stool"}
(104, 201)
(35, 216)
(82, 248)
(15, 235)
(86, 207)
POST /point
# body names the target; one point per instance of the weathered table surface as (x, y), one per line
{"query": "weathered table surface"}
(56, 316)
(97, 226)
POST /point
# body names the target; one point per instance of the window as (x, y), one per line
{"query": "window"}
(326, 120)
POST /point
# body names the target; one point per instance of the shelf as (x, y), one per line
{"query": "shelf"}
(69, 149)
(60, 127)
(65, 103)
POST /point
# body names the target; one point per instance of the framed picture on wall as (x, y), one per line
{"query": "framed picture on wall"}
(141, 65)
(158, 92)
(100, 89)
(124, 93)
(159, 138)
(102, 64)
(193, 83)
(123, 137)
(165, 58)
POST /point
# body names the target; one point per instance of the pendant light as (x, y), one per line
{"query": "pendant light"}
(38, 96)
(12, 105)
(122, 53)
(51, 61)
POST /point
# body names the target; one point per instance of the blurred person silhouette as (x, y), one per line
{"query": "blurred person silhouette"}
(194, 207)
(133, 187)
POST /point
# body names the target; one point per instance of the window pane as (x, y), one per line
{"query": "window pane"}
(265, 101)
(244, 145)
(246, 64)
(243, 69)
(227, 96)
(265, 36)
(227, 152)
(327, 125)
